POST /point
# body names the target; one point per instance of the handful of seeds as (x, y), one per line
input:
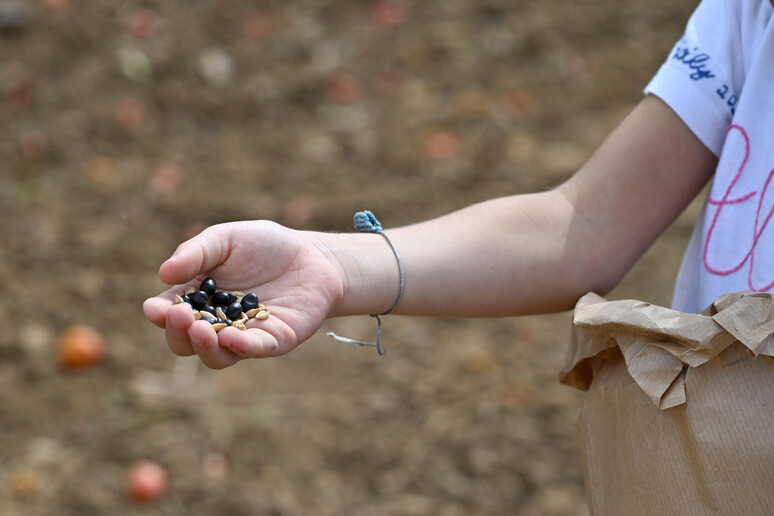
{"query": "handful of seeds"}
(221, 308)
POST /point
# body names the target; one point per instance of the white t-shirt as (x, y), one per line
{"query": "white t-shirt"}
(719, 79)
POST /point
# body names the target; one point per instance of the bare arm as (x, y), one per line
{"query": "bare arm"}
(538, 252)
(514, 255)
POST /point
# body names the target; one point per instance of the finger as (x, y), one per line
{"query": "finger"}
(204, 341)
(179, 320)
(202, 253)
(263, 339)
(155, 309)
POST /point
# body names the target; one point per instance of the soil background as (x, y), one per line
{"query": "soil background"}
(128, 126)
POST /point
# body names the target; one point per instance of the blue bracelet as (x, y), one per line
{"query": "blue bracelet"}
(366, 222)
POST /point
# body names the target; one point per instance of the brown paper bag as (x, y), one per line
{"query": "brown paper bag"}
(679, 415)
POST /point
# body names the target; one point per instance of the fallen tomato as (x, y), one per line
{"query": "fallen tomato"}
(146, 482)
(80, 347)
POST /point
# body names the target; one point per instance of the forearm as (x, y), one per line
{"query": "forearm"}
(507, 256)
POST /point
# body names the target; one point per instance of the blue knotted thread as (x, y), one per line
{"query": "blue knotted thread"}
(366, 222)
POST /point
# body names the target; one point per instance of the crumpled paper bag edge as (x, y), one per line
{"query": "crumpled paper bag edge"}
(659, 344)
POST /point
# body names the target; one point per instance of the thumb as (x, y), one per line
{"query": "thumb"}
(200, 254)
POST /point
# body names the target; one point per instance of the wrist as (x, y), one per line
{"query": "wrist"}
(368, 269)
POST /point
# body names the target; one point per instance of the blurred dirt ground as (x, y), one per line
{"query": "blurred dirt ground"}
(126, 126)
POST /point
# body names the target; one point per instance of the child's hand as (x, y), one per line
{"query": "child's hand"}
(291, 274)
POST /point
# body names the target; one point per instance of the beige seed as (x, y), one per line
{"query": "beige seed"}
(219, 326)
(253, 312)
(243, 318)
(190, 290)
(220, 313)
(178, 299)
(239, 326)
(263, 314)
(205, 315)
(197, 316)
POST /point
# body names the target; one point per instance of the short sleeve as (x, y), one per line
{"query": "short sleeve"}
(703, 76)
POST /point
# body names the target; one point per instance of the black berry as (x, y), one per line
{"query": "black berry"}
(198, 299)
(249, 302)
(231, 298)
(220, 298)
(208, 286)
(209, 309)
(186, 299)
(234, 310)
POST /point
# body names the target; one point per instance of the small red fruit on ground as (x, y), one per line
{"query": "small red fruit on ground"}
(80, 347)
(146, 482)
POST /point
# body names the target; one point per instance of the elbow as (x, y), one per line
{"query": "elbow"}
(596, 255)
(597, 269)
(604, 285)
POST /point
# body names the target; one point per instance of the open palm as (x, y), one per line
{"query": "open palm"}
(291, 275)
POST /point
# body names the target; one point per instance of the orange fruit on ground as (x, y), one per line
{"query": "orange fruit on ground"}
(442, 145)
(80, 347)
(146, 482)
